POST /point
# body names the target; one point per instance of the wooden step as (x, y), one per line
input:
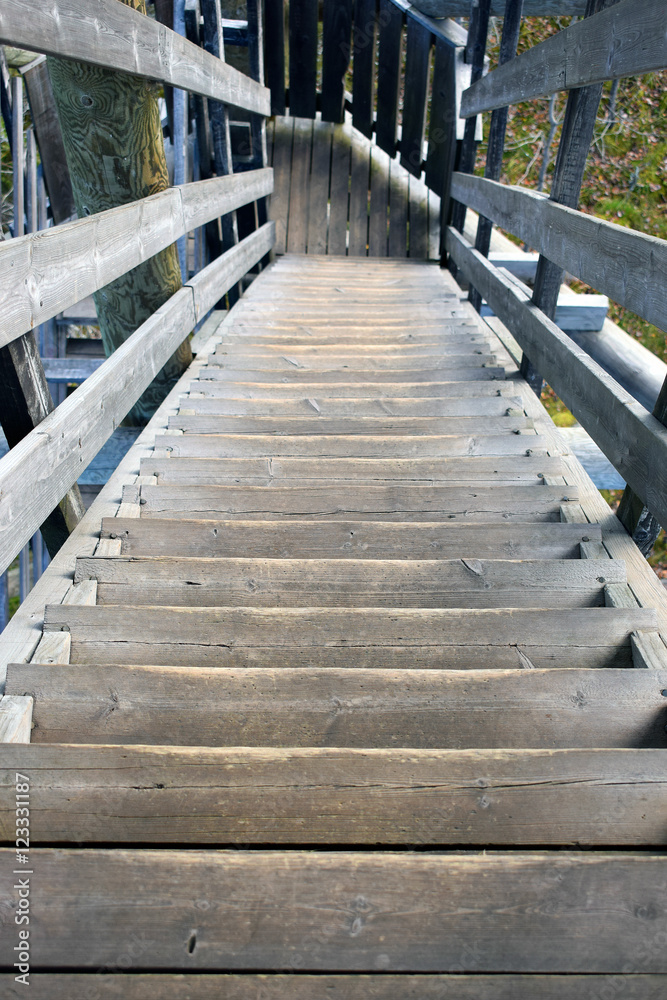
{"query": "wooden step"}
(209, 384)
(351, 637)
(470, 583)
(372, 340)
(327, 408)
(349, 445)
(380, 503)
(292, 986)
(163, 795)
(436, 373)
(379, 351)
(349, 539)
(103, 702)
(500, 470)
(459, 356)
(313, 424)
(331, 911)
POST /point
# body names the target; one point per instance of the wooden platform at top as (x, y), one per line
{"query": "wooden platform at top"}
(336, 192)
(349, 685)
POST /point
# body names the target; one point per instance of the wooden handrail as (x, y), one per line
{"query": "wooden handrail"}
(109, 34)
(47, 271)
(633, 440)
(625, 264)
(627, 39)
(36, 473)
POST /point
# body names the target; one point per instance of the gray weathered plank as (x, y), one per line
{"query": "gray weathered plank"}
(297, 229)
(329, 796)
(123, 39)
(103, 702)
(633, 440)
(308, 406)
(466, 640)
(627, 39)
(282, 166)
(472, 583)
(317, 425)
(318, 193)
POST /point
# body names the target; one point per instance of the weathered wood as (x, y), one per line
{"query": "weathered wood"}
(318, 190)
(405, 797)
(49, 139)
(442, 128)
(57, 986)
(355, 707)
(472, 583)
(609, 414)
(359, 197)
(364, 43)
(303, 18)
(394, 503)
(588, 637)
(297, 231)
(624, 263)
(274, 53)
(605, 47)
(268, 910)
(317, 425)
(299, 377)
(399, 195)
(56, 267)
(282, 160)
(129, 42)
(353, 390)
(417, 57)
(15, 723)
(347, 363)
(388, 75)
(302, 406)
(336, 39)
(44, 464)
(378, 221)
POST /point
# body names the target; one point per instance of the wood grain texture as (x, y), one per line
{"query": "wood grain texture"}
(198, 986)
(327, 796)
(303, 19)
(605, 47)
(343, 706)
(336, 44)
(417, 58)
(15, 723)
(130, 42)
(471, 583)
(390, 20)
(633, 440)
(462, 639)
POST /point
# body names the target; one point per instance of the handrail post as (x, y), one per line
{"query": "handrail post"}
(633, 514)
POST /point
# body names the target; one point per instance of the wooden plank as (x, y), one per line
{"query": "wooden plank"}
(268, 910)
(359, 196)
(329, 796)
(399, 195)
(472, 583)
(57, 986)
(363, 66)
(609, 414)
(349, 540)
(461, 639)
(336, 39)
(314, 365)
(282, 166)
(346, 446)
(49, 139)
(301, 406)
(123, 39)
(352, 390)
(55, 268)
(42, 467)
(318, 194)
(299, 376)
(341, 152)
(297, 226)
(303, 19)
(15, 722)
(390, 21)
(379, 203)
(380, 503)
(274, 53)
(624, 263)
(605, 47)
(317, 425)
(413, 120)
(346, 705)
(418, 225)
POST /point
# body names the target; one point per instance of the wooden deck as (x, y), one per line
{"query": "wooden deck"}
(344, 684)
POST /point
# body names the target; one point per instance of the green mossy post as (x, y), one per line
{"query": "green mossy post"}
(113, 141)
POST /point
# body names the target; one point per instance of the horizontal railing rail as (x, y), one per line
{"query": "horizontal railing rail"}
(39, 470)
(633, 440)
(52, 269)
(107, 33)
(628, 39)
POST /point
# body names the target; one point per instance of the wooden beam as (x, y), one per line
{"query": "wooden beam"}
(56, 268)
(15, 719)
(127, 41)
(41, 467)
(633, 440)
(49, 139)
(627, 39)
(532, 8)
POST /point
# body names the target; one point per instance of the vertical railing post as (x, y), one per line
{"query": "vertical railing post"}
(497, 129)
(180, 137)
(441, 154)
(635, 517)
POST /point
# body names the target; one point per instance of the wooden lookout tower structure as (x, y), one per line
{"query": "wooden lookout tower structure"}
(348, 684)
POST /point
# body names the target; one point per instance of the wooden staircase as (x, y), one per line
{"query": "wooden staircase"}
(343, 706)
